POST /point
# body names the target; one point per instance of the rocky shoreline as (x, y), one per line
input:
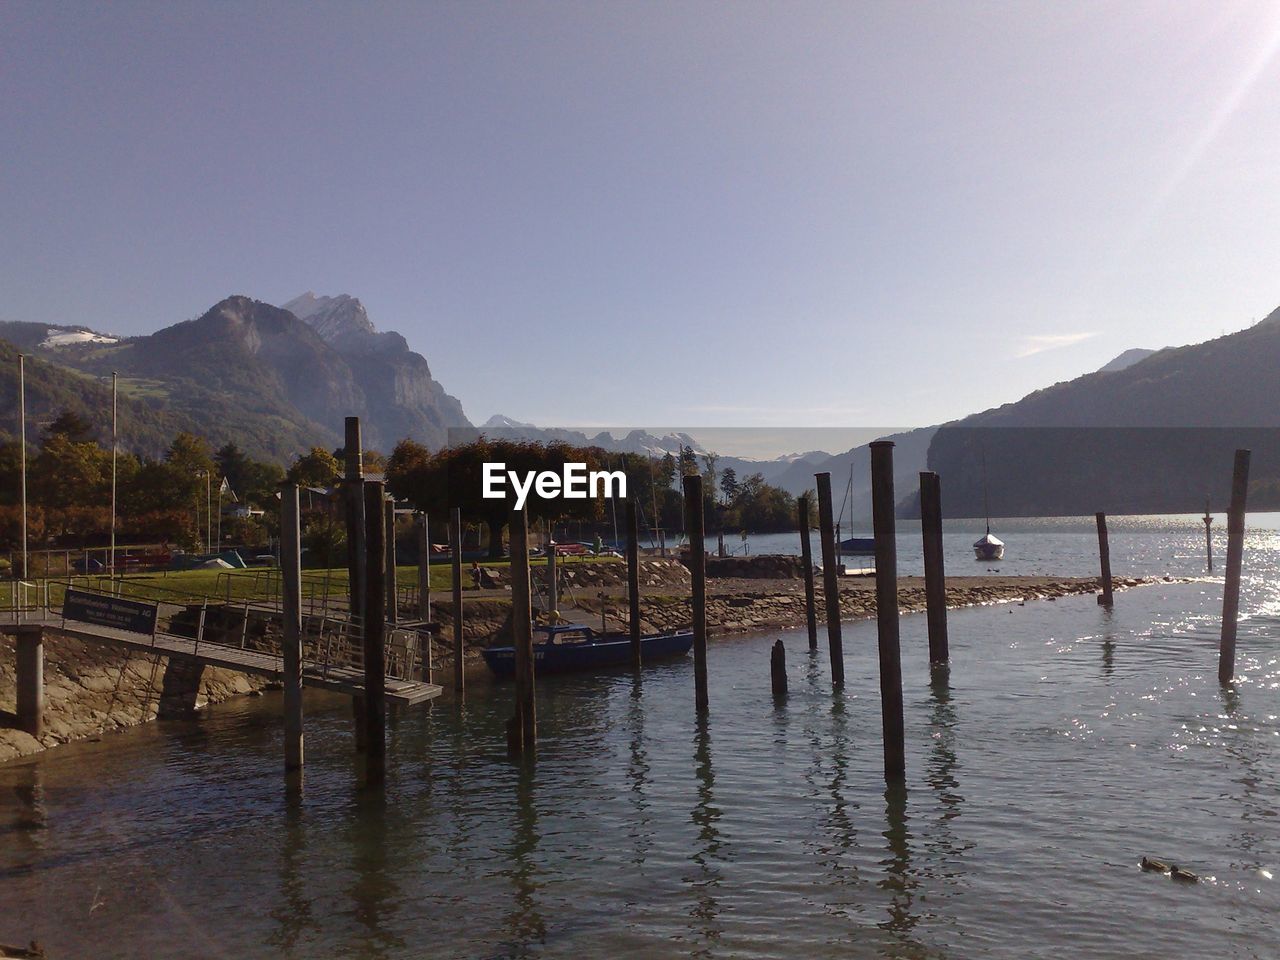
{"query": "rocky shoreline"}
(92, 689)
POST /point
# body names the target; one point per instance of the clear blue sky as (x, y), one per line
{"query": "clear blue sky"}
(736, 213)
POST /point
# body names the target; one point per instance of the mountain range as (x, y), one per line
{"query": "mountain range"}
(274, 380)
(1148, 431)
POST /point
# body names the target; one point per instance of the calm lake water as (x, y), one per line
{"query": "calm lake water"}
(1070, 742)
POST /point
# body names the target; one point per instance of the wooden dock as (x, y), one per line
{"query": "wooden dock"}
(342, 679)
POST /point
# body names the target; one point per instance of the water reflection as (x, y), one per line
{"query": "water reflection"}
(898, 879)
(525, 922)
(1108, 641)
(705, 816)
(293, 916)
(640, 825)
(836, 852)
(375, 890)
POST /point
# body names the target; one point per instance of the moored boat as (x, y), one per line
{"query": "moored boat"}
(988, 547)
(565, 648)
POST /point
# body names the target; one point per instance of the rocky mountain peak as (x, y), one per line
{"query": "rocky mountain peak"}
(334, 318)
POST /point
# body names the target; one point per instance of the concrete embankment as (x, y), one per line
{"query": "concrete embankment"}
(92, 689)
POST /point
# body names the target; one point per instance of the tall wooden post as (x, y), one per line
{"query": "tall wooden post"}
(882, 512)
(30, 692)
(1235, 558)
(353, 474)
(1106, 598)
(698, 568)
(553, 578)
(424, 592)
(830, 577)
(935, 578)
(375, 666)
(353, 494)
(633, 582)
(389, 523)
(806, 558)
(455, 548)
(291, 609)
(1208, 536)
(523, 734)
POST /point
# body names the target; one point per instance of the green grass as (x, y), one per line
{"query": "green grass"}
(262, 584)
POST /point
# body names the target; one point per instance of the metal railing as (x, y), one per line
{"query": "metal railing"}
(331, 640)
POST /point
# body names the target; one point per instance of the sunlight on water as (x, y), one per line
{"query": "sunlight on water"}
(1069, 742)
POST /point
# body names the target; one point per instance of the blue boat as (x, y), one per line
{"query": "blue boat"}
(569, 647)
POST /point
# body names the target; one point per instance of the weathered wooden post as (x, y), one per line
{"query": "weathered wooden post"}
(375, 664)
(806, 558)
(778, 670)
(424, 592)
(522, 733)
(30, 693)
(1208, 536)
(389, 513)
(291, 610)
(935, 578)
(1235, 557)
(633, 582)
(353, 495)
(698, 568)
(553, 576)
(1106, 598)
(455, 548)
(884, 527)
(830, 578)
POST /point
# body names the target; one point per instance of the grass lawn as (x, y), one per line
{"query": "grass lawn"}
(262, 583)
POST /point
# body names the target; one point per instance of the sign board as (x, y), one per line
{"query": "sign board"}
(136, 616)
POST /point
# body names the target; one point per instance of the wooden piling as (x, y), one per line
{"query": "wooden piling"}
(883, 506)
(353, 496)
(291, 609)
(1106, 598)
(1208, 536)
(389, 515)
(830, 577)
(1235, 558)
(698, 568)
(424, 593)
(523, 730)
(30, 692)
(455, 548)
(806, 559)
(553, 579)
(375, 668)
(778, 670)
(935, 578)
(633, 582)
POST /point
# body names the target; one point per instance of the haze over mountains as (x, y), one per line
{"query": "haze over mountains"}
(278, 380)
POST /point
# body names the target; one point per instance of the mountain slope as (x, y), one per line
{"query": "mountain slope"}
(401, 398)
(252, 373)
(1153, 436)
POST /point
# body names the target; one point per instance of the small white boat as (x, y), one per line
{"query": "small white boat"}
(988, 547)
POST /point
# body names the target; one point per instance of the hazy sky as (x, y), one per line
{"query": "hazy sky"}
(738, 213)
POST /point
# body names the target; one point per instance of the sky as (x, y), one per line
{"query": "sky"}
(790, 214)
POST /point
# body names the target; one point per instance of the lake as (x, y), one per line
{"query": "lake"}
(1069, 742)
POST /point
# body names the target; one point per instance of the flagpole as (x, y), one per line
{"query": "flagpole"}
(22, 417)
(220, 483)
(114, 446)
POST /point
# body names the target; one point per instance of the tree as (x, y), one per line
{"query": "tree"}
(710, 459)
(319, 468)
(71, 425)
(688, 462)
(729, 484)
